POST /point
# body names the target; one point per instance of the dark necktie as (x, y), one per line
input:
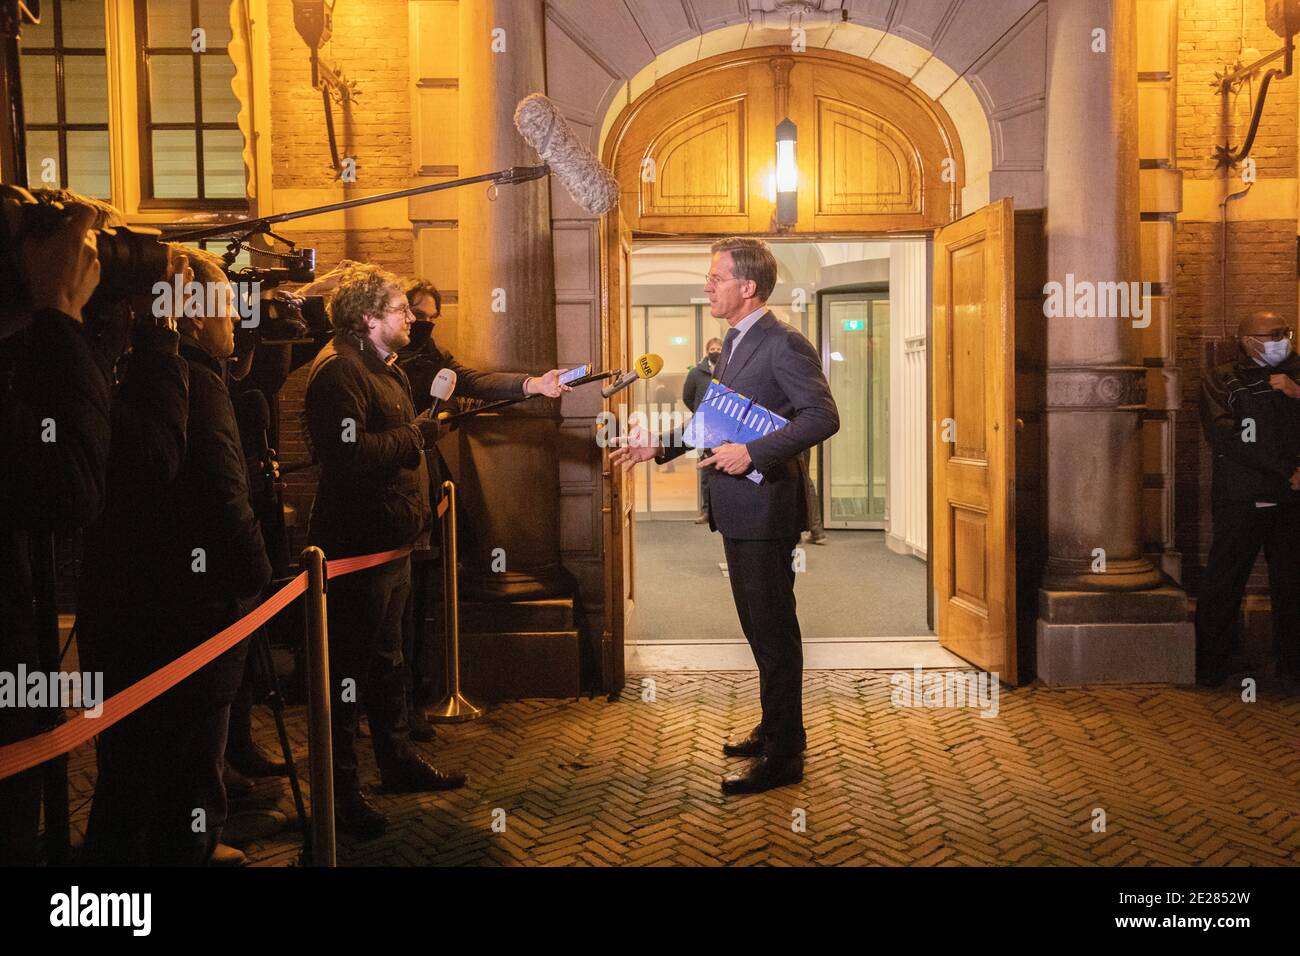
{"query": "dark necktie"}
(727, 342)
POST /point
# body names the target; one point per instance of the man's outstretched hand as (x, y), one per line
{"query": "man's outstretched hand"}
(630, 450)
(732, 458)
(548, 385)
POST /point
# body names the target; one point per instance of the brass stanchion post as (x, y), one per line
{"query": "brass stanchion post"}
(320, 746)
(454, 707)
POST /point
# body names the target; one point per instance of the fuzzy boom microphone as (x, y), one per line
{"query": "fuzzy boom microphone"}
(590, 184)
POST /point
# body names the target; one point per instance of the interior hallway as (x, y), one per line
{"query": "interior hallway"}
(860, 604)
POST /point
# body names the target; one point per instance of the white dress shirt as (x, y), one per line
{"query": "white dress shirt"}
(743, 326)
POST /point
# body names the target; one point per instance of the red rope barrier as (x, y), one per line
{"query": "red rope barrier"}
(25, 754)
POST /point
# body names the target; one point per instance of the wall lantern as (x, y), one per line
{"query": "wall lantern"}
(787, 174)
(1283, 16)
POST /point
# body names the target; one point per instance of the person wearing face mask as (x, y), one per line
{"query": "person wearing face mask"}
(1250, 413)
(422, 359)
(697, 383)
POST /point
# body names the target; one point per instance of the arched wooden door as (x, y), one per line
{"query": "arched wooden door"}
(695, 156)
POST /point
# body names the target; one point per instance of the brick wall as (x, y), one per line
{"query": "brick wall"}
(1261, 253)
(1210, 37)
(370, 47)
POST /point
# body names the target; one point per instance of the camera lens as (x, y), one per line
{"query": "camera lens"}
(131, 260)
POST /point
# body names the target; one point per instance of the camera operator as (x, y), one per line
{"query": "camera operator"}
(176, 557)
(373, 496)
(54, 435)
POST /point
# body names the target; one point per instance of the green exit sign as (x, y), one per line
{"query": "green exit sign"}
(854, 325)
(679, 340)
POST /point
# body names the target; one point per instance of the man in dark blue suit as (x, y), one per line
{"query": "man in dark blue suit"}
(770, 362)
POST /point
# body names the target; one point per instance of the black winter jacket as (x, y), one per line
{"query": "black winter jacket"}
(51, 387)
(423, 364)
(177, 555)
(373, 493)
(698, 378)
(1237, 402)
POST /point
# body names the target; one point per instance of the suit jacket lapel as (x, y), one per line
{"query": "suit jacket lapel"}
(747, 347)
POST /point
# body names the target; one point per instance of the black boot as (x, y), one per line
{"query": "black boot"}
(355, 814)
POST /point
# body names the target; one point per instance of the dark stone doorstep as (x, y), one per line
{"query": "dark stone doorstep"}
(1156, 606)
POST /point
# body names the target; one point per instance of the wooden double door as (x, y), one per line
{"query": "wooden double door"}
(976, 436)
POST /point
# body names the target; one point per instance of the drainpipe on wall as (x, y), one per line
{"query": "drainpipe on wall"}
(1223, 349)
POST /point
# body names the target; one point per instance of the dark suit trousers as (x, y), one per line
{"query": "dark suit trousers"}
(1240, 530)
(762, 583)
(365, 644)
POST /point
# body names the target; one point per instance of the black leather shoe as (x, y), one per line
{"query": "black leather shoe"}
(764, 773)
(417, 775)
(355, 814)
(750, 746)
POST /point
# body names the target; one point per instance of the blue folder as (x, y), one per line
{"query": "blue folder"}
(725, 415)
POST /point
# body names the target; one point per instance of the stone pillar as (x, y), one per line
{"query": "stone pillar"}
(506, 317)
(1123, 622)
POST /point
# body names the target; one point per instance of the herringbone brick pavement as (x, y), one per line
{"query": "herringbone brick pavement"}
(1182, 777)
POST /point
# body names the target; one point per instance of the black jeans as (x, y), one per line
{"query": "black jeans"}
(762, 583)
(367, 668)
(1240, 530)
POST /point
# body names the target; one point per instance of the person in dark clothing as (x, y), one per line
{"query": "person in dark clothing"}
(176, 557)
(760, 521)
(373, 496)
(812, 500)
(697, 383)
(701, 374)
(1250, 413)
(50, 480)
(422, 360)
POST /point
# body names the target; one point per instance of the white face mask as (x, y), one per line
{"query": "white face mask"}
(1275, 353)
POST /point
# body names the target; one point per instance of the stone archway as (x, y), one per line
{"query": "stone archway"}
(982, 61)
(971, 62)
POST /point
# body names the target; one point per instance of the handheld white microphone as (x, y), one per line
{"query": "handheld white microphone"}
(591, 185)
(441, 389)
(645, 367)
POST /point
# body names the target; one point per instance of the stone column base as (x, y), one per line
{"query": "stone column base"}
(1134, 637)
